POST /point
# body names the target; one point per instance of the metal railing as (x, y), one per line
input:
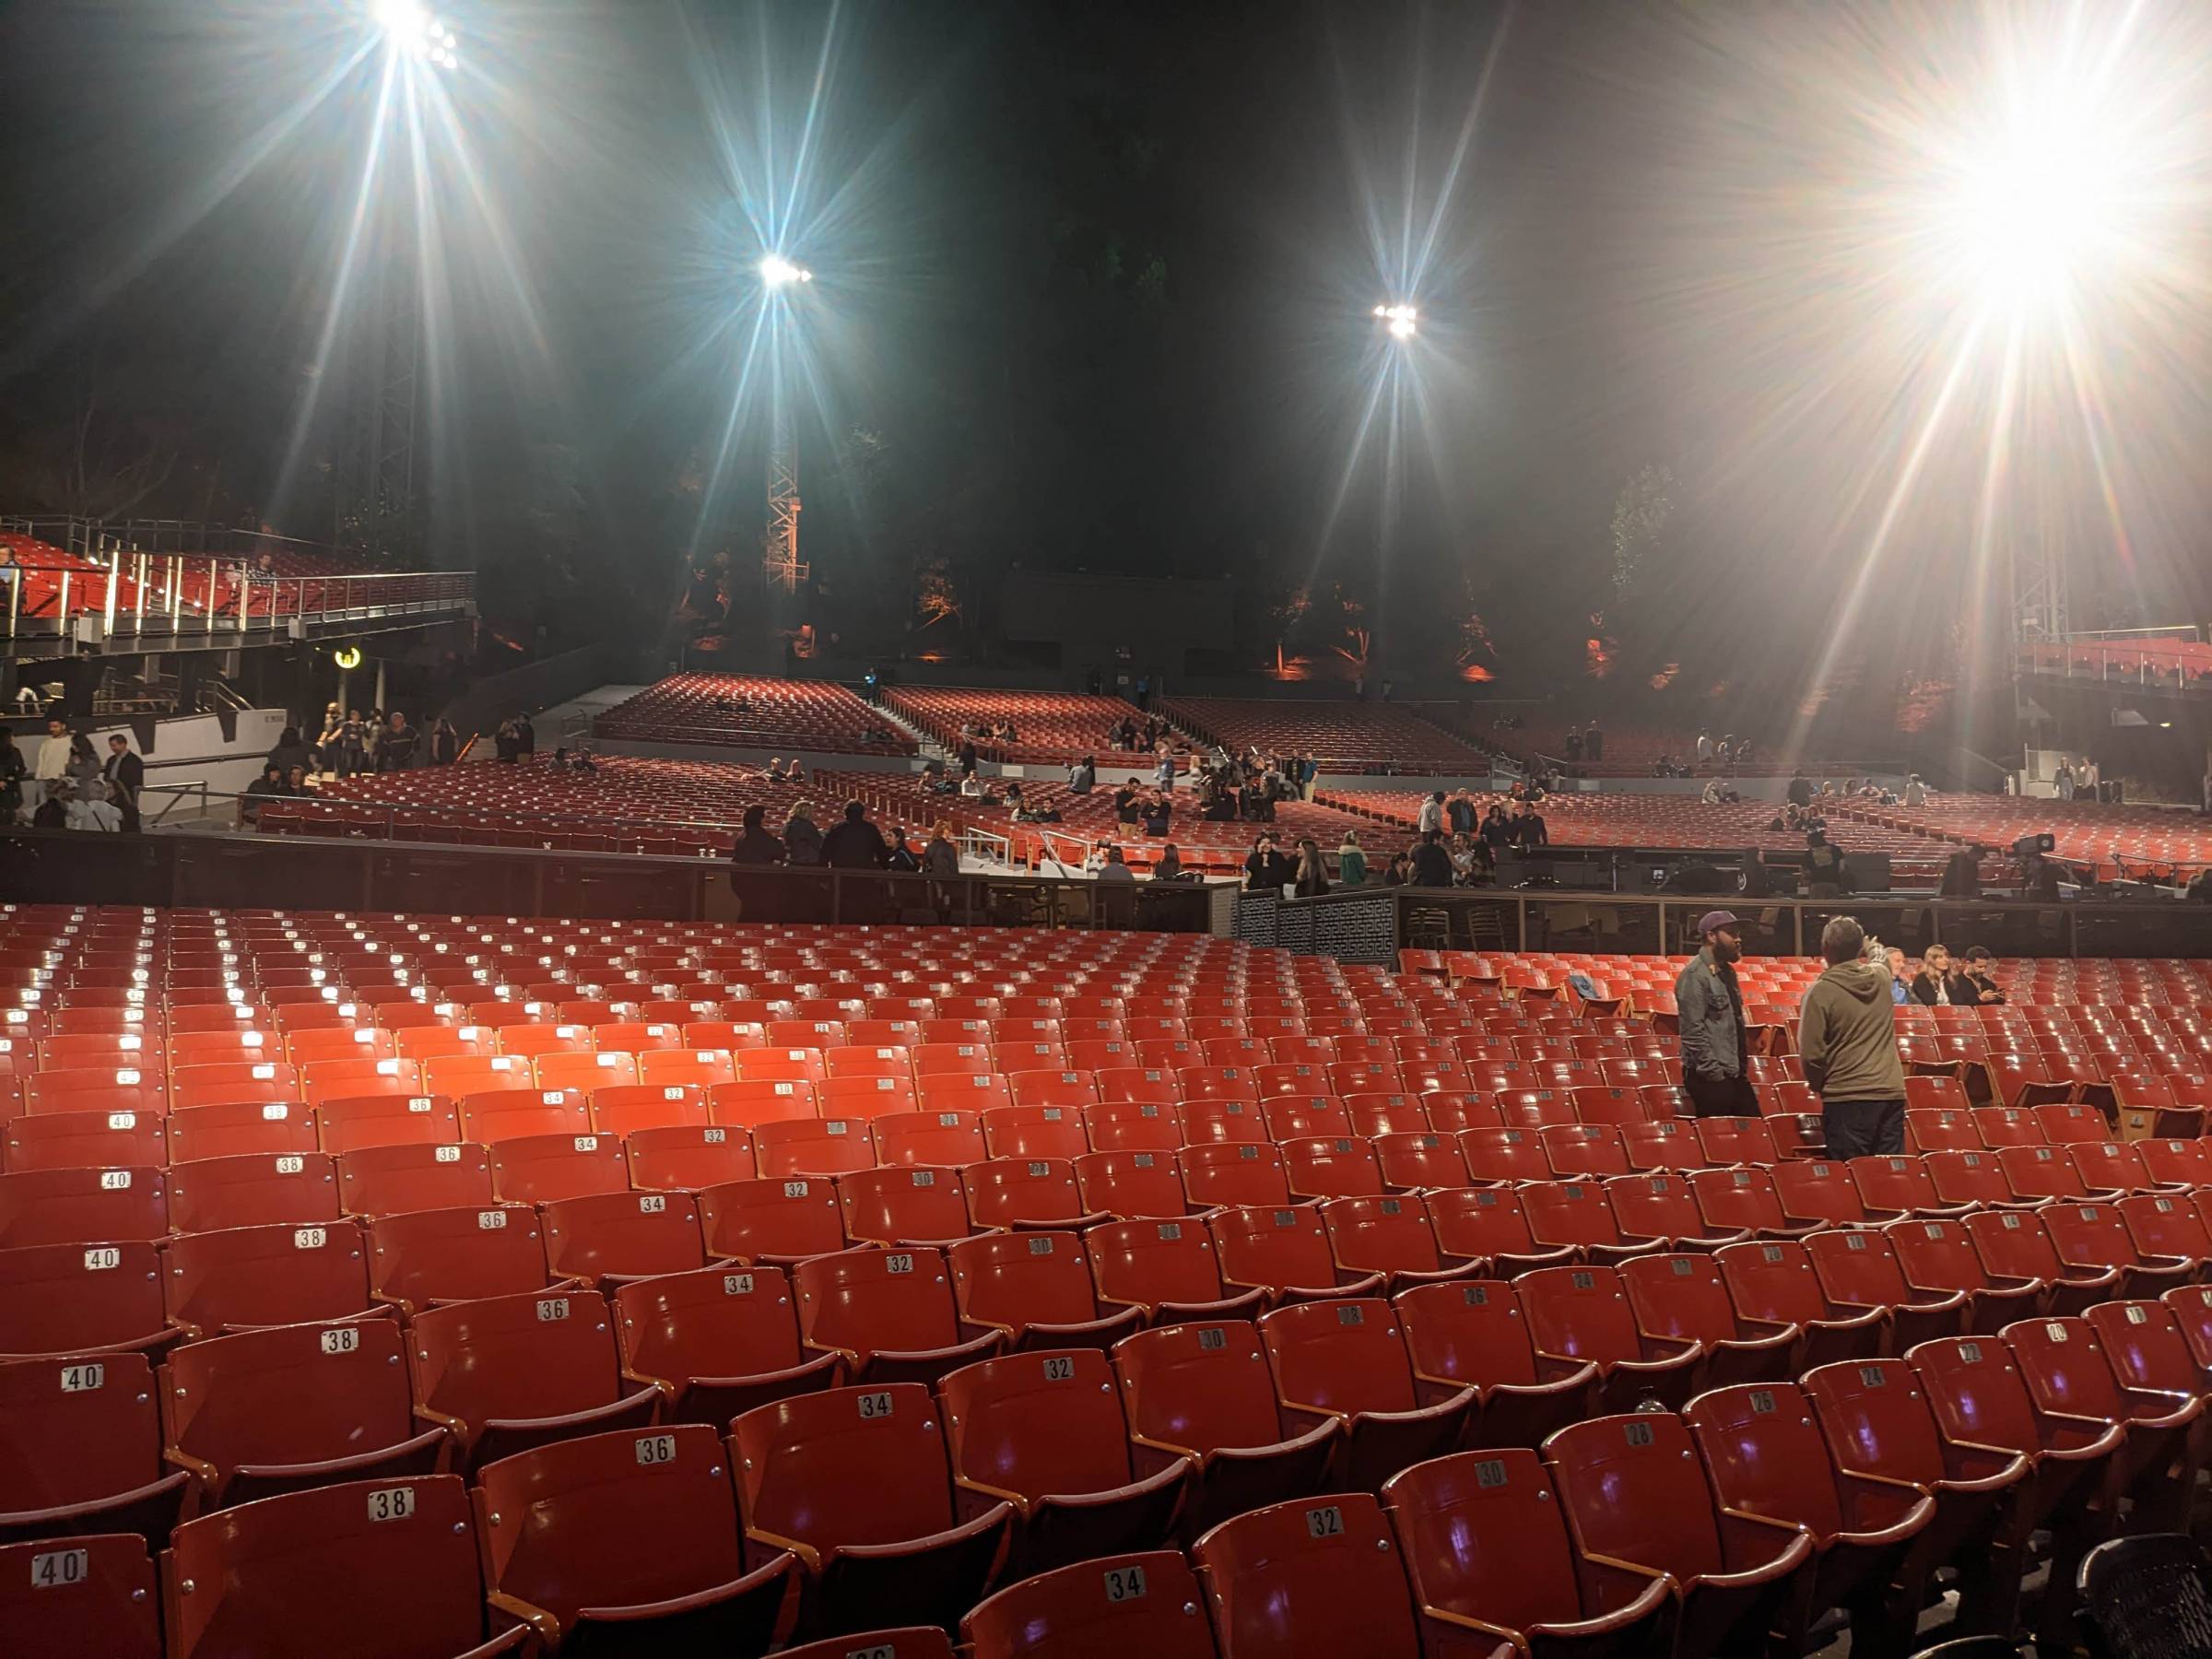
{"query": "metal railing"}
(2151, 661)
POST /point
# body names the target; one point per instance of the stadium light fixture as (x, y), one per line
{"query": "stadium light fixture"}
(779, 271)
(1401, 320)
(410, 30)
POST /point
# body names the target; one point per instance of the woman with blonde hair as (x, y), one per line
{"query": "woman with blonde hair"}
(941, 857)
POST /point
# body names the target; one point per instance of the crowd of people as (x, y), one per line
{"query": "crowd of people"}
(69, 785)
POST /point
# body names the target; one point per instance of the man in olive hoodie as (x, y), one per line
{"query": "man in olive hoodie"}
(1847, 1038)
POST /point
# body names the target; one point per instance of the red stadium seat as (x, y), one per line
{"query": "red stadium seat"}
(1582, 1313)
(1202, 1392)
(80, 1449)
(354, 1122)
(688, 1159)
(301, 1567)
(814, 1146)
(1097, 1609)
(2068, 1377)
(90, 1594)
(781, 1222)
(906, 1204)
(427, 1258)
(1492, 1228)
(506, 1373)
(889, 1314)
(1344, 1362)
(1131, 1183)
(241, 1278)
(81, 1299)
(2017, 1245)
(1939, 1257)
(271, 1411)
(1683, 1298)
(1576, 1214)
(2091, 1237)
(541, 1168)
(610, 1238)
(628, 1541)
(1166, 1269)
(1858, 1267)
(1036, 1290)
(1226, 1173)
(1774, 1281)
(717, 1342)
(1283, 1251)
(1307, 1579)
(1027, 1192)
(86, 1140)
(62, 1206)
(856, 1481)
(252, 1190)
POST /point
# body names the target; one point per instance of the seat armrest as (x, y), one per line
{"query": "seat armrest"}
(536, 1620)
(199, 1468)
(1972, 1467)
(1317, 1414)
(1758, 1548)
(808, 1555)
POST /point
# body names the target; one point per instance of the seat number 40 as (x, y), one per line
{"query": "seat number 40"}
(60, 1567)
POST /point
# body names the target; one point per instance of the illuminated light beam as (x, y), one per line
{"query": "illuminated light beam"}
(1344, 479)
(1418, 269)
(738, 401)
(818, 95)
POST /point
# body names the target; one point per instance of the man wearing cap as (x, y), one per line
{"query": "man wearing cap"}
(1708, 1007)
(1847, 1038)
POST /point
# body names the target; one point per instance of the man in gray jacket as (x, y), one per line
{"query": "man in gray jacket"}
(1847, 1037)
(1708, 1007)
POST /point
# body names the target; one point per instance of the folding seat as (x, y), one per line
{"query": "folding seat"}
(2037, 1173)
(86, 1140)
(889, 1312)
(349, 1123)
(506, 1113)
(306, 1046)
(1534, 1109)
(81, 1298)
(1166, 1269)
(749, 1105)
(1228, 1083)
(1682, 1298)
(1226, 1173)
(382, 1181)
(91, 1595)
(1763, 1454)
(65, 1205)
(1490, 1227)
(1503, 1155)
(1826, 1192)
(2110, 1170)
(1607, 1105)
(812, 1146)
(907, 1203)
(1377, 1113)
(244, 1278)
(627, 1541)
(1391, 1236)
(2069, 1377)
(1416, 1160)
(1324, 1167)
(1037, 1291)
(1901, 1185)
(1661, 1207)
(231, 1083)
(425, 1043)
(811, 1036)
(1575, 1214)
(252, 1190)
(1135, 1127)
(634, 1036)
(608, 1238)
(1025, 1193)
(1582, 1151)
(866, 1098)
(1581, 1313)
(80, 1449)
(1345, 1362)
(539, 1169)
(2017, 1245)
(2007, 1126)
(717, 1342)
(1130, 1604)
(931, 1059)
(1776, 1280)
(1980, 1403)
(2063, 1124)
(427, 1258)
(1727, 1141)
(2167, 1226)
(1860, 1268)
(1314, 1576)
(1202, 1392)
(948, 1139)
(1486, 1554)
(1745, 1199)
(1034, 1132)
(1636, 1496)
(771, 1219)
(1211, 1122)
(1933, 1129)
(504, 1374)
(681, 1067)
(2148, 1344)
(2091, 1237)
(862, 1060)
(1662, 1145)
(1285, 1252)
(1304, 1117)
(2177, 1162)
(1077, 1088)
(268, 1411)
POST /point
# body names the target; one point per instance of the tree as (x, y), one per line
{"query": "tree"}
(1641, 512)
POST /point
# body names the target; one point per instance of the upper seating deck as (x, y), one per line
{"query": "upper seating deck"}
(1343, 737)
(750, 712)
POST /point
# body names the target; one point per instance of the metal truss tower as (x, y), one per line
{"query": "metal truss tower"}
(781, 564)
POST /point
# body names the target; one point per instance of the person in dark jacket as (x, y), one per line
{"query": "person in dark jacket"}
(1827, 872)
(757, 846)
(1937, 985)
(903, 859)
(396, 752)
(802, 841)
(1497, 830)
(1848, 1040)
(855, 844)
(291, 750)
(1981, 962)
(1431, 863)
(525, 737)
(13, 769)
(1530, 831)
(1312, 879)
(445, 743)
(1267, 868)
(1709, 1011)
(126, 775)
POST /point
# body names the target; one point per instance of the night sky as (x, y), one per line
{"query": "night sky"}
(1093, 290)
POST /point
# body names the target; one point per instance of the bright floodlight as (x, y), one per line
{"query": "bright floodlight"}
(411, 31)
(1401, 320)
(2041, 195)
(779, 271)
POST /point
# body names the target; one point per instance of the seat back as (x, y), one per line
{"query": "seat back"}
(1940, 1128)
(1034, 1132)
(1938, 1256)
(1503, 1155)
(490, 1116)
(1484, 1539)
(813, 1145)
(459, 1255)
(914, 1202)
(1763, 1454)
(1580, 1313)
(1653, 1206)
(1968, 1178)
(1275, 1247)
(389, 1179)
(1975, 1390)
(1480, 1222)
(688, 1158)
(787, 1217)
(230, 1128)
(77, 1428)
(1011, 1191)
(1735, 1140)
(2009, 1242)
(1875, 1419)
(624, 1109)
(1467, 1332)
(1048, 1422)
(1233, 1172)
(351, 1122)
(1894, 1181)
(537, 1355)
(297, 1393)
(2090, 1235)
(1332, 1167)
(1344, 1356)
(72, 1298)
(1151, 1262)
(252, 1190)
(1633, 1489)
(623, 1519)
(1200, 1386)
(2145, 1346)
(2063, 1363)
(1680, 1296)
(1859, 1267)
(81, 1595)
(1382, 1234)
(1734, 1198)
(541, 1168)
(83, 1140)
(945, 1139)
(2109, 1166)
(261, 1275)
(626, 1235)
(2160, 1224)
(2177, 1162)
(1134, 1182)
(1420, 1158)
(844, 1467)
(867, 1299)
(64, 1206)
(1016, 1279)
(1134, 1603)
(713, 1322)
(2039, 1173)
(1818, 1191)
(1317, 1576)
(1772, 1281)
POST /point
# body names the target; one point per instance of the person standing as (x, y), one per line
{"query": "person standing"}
(855, 844)
(1432, 815)
(126, 775)
(12, 772)
(396, 752)
(1847, 1038)
(525, 737)
(51, 765)
(1593, 742)
(1709, 1008)
(1351, 860)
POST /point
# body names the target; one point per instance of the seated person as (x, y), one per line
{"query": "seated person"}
(270, 785)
